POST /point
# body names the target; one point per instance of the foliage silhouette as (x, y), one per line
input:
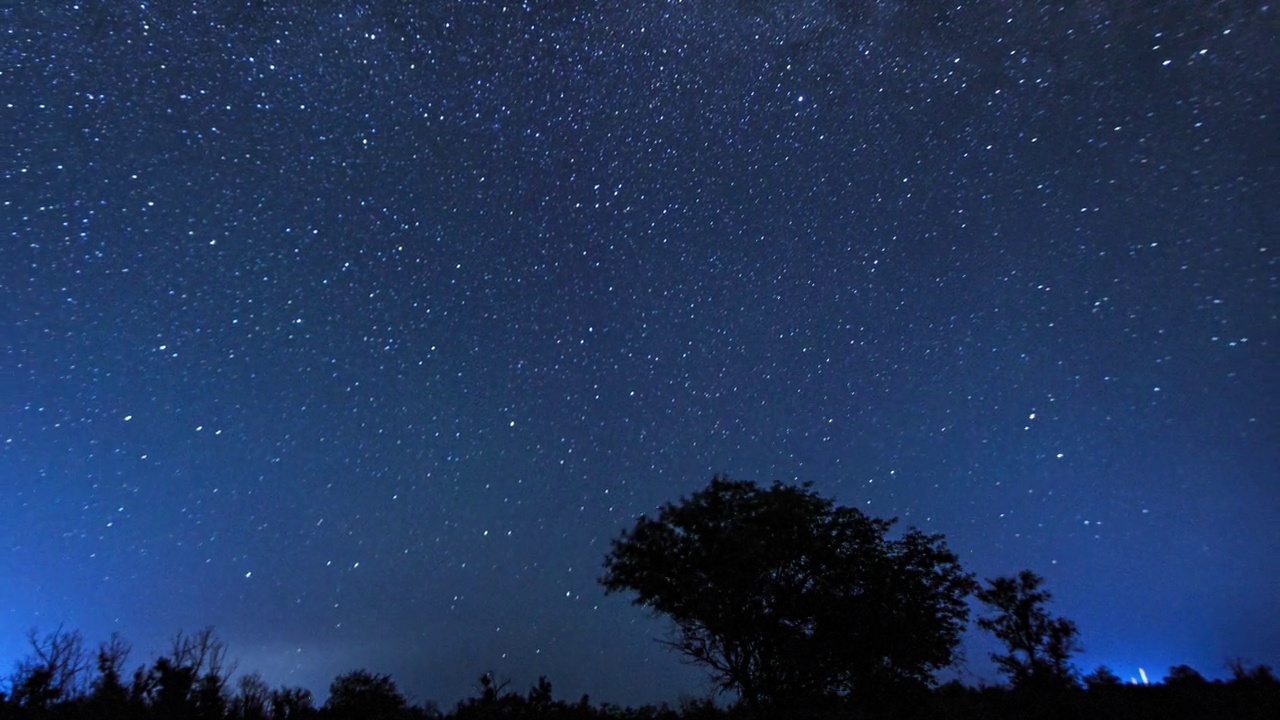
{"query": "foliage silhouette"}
(1256, 675)
(788, 598)
(361, 695)
(538, 703)
(1039, 645)
(1253, 693)
(1102, 677)
(190, 683)
(292, 704)
(252, 700)
(56, 669)
(1184, 675)
(109, 687)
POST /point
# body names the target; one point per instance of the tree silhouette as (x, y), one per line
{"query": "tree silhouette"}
(291, 703)
(252, 700)
(787, 597)
(1039, 645)
(495, 701)
(56, 669)
(190, 682)
(361, 695)
(109, 697)
(171, 689)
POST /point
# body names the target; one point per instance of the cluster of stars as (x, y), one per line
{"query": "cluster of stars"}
(406, 312)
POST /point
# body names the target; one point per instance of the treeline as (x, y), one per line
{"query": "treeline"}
(61, 679)
(798, 608)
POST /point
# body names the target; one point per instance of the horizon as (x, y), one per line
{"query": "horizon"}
(958, 672)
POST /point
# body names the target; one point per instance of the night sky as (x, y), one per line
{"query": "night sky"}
(358, 329)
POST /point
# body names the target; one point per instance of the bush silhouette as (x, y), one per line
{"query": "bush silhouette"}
(1102, 677)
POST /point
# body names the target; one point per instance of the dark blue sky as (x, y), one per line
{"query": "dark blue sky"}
(357, 330)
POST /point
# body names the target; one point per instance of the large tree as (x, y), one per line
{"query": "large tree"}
(786, 596)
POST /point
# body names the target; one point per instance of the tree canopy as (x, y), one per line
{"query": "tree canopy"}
(786, 596)
(362, 695)
(1039, 646)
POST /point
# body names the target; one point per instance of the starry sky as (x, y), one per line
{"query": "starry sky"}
(358, 329)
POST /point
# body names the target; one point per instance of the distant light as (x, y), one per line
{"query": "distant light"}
(1143, 673)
